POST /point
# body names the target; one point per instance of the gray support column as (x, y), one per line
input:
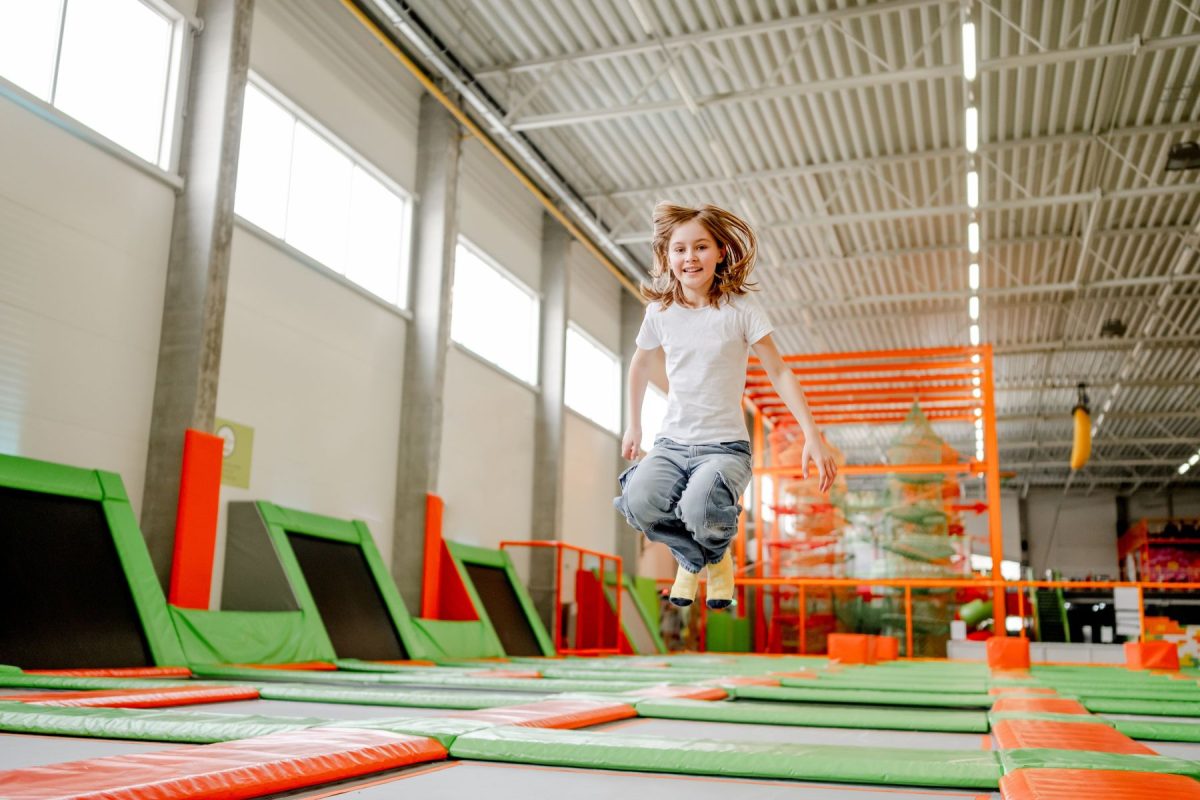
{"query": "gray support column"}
(629, 541)
(549, 421)
(189, 348)
(439, 146)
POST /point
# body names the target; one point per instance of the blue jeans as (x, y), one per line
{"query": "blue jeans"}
(686, 496)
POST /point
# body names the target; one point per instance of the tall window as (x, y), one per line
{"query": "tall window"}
(593, 380)
(302, 185)
(654, 411)
(111, 64)
(494, 315)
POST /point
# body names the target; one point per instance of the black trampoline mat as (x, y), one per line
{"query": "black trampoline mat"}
(65, 598)
(347, 598)
(504, 608)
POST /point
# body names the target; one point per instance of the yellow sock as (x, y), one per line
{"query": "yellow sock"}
(720, 583)
(683, 591)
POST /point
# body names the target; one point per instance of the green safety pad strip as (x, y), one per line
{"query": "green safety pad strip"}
(862, 697)
(514, 684)
(256, 676)
(143, 724)
(458, 701)
(446, 731)
(81, 683)
(817, 716)
(1039, 758)
(1132, 694)
(978, 769)
(6, 669)
(1157, 731)
(358, 665)
(896, 683)
(1165, 708)
(1084, 719)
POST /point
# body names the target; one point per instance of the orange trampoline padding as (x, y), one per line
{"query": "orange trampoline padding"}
(120, 672)
(564, 714)
(1050, 705)
(1097, 737)
(681, 692)
(1152, 655)
(245, 768)
(1007, 653)
(140, 698)
(1096, 784)
(1021, 690)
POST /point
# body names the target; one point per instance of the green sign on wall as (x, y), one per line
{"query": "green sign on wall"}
(239, 447)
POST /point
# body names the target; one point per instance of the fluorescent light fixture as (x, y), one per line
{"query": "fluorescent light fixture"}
(972, 129)
(974, 335)
(973, 237)
(979, 412)
(1012, 624)
(1184, 467)
(1195, 457)
(977, 393)
(976, 382)
(970, 68)
(973, 307)
(975, 358)
(978, 424)
(973, 189)
(973, 275)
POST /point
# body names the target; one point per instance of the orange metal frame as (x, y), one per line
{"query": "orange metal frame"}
(583, 552)
(953, 384)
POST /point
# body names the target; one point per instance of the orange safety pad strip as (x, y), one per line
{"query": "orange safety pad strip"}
(681, 692)
(196, 520)
(139, 698)
(801, 674)
(1049, 705)
(120, 672)
(506, 673)
(1096, 784)
(323, 666)
(565, 714)
(1021, 690)
(244, 768)
(1096, 737)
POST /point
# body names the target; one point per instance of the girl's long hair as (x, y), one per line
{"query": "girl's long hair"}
(735, 238)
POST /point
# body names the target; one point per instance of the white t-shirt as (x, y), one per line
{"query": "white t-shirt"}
(707, 351)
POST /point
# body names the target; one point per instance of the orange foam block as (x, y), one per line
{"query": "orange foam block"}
(851, 648)
(1096, 784)
(887, 648)
(1152, 655)
(1096, 737)
(1008, 652)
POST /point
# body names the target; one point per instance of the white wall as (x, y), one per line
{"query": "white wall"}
(84, 239)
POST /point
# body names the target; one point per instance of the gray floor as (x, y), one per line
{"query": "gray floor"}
(1186, 750)
(778, 734)
(294, 708)
(18, 750)
(521, 782)
(1152, 718)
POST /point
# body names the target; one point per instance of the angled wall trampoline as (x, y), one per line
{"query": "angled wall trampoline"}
(501, 600)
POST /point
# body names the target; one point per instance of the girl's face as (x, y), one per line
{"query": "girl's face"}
(693, 256)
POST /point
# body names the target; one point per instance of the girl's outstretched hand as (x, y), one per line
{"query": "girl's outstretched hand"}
(819, 453)
(631, 444)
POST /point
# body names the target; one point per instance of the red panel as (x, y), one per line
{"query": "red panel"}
(683, 692)
(121, 672)
(1097, 737)
(140, 698)
(430, 591)
(245, 768)
(1152, 655)
(552, 714)
(196, 520)
(1050, 705)
(1007, 653)
(1096, 784)
(453, 601)
(595, 620)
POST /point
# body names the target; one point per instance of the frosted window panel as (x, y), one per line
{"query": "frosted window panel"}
(264, 162)
(373, 257)
(318, 219)
(28, 42)
(654, 411)
(593, 381)
(493, 316)
(112, 76)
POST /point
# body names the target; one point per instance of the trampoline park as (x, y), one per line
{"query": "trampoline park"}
(404, 245)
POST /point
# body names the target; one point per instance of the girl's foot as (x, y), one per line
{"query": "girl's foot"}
(683, 591)
(720, 583)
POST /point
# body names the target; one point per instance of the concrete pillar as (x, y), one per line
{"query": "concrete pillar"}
(189, 348)
(439, 147)
(549, 421)
(629, 541)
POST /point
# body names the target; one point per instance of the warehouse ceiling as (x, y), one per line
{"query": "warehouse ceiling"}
(838, 128)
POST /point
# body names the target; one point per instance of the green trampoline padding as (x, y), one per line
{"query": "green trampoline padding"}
(1157, 731)
(976, 769)
(863, 697)
(401, 698)
(1163, 708)
(1037, 758)
(6, 669)
(74, 683)
(445, 731)
(817, 716)
(894, 683)
(144, 724)
(259, 676)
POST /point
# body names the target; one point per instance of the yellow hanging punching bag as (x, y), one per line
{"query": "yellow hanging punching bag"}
(1081, 447)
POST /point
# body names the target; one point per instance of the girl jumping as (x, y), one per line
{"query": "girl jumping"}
(685, 492)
